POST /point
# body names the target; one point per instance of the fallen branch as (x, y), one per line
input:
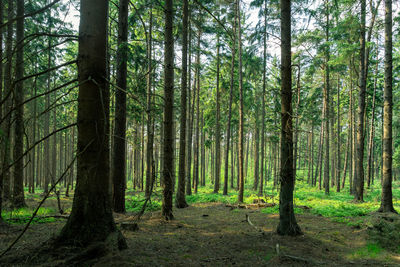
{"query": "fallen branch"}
(255, 227)
(250, 206)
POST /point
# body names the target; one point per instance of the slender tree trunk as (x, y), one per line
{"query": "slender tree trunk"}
(287, 221)
(190, 109)
(256, 152)
(372, 130)
(359, 179)
(180, 193)
(296, 127)
(327, 105)
(196, 145)
(263, 99)
(387, 198)
(241, 120)
(217, 127)
(339, 129)
(228, 128)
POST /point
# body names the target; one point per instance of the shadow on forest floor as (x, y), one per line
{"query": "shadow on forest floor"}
(212, 234)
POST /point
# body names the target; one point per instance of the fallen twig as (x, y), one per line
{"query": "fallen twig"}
(255, 227)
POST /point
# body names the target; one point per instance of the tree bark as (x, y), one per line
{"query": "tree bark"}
(387, 198)
(119, 151)
(91, 218)
(241, 120)
(217, 127)
(180, 193)
(372, 130)
(18, 199)
(169, 169)
(228, 128)
(287, 221)
(327, 105)
(359, 179)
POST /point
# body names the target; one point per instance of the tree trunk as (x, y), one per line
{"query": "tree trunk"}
(119, 150)
(196, 144)
(359, 179)
(241, 120)
(228, 128)
(180, 193)
(263, 99)
(256, 152)
(217, 128)
(287, 221)
(189, 120)
(327, 105)
(169, 169)
(8, 105)
(387, 199)
(91, 218)
(372, 130)
(18, 199)
(339, 129)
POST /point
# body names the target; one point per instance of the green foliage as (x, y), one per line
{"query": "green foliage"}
(23, 215)
(371, 250)
(135, 204)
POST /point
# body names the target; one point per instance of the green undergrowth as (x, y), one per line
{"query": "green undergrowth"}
(23, 215)
(370, 251)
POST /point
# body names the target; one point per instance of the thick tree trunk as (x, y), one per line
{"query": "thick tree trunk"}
(2, 140)
(8, 105)
(91, 218)
(169, 168)
(387, 198)
(180, 193)
(119, 151)
(287, 221)
(18, 199)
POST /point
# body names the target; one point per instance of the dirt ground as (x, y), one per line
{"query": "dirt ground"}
(208, 234)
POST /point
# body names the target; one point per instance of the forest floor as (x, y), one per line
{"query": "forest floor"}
(217, 234)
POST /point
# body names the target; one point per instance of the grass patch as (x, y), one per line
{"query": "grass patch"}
(370, 251)
(23, 215)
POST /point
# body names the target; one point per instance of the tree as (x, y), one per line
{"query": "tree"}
(119, 149)
(169, 169)
(287, 221)
(241, 121)
(180, 193)
(387, 199)
(18, 192)
(217, 126)
(91, 218)
(228, 128)
(359, 177)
